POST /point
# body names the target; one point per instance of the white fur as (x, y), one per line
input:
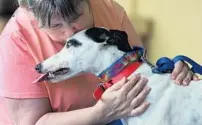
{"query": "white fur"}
(170, 104)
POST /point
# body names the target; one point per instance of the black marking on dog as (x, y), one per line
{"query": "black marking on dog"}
(120, 39)
(73, 42)
(106, 45)
(112, 37)
(98, 35)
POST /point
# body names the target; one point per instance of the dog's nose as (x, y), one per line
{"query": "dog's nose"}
(38, 68)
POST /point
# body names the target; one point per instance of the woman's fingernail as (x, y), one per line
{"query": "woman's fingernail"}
(146, 80)
(177, 82)
(148, 88)
(138, 74)
(185, 83)
(147, 103)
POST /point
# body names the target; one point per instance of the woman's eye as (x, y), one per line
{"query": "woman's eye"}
(74, 20)
(71, 21)
(56, 25)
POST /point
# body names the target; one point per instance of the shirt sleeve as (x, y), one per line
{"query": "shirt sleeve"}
(127, 26)
(17, 70)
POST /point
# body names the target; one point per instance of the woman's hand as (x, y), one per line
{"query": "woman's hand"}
(182, 74)
(125, 98)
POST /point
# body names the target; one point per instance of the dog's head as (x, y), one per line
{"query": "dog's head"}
(89, 50)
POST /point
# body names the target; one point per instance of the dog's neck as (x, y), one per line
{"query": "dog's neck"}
(107, 57)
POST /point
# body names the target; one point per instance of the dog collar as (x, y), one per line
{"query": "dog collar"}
(123, 67)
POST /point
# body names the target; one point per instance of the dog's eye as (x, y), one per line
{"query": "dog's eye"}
(73, 42)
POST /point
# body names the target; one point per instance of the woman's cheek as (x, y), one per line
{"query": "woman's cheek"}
(56, 37)
(80, 25)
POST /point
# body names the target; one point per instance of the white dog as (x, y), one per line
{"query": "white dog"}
(94, 50)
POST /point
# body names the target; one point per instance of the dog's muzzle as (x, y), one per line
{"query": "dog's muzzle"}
(38, 68)
(49, 75)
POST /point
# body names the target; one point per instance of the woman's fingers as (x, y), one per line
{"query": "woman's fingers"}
(126, 97)
(182, 75)
(140, 98)
(138, 88)
(188, 78)
(140, 109)
(130, 83)
(178, 68)
(195, 77)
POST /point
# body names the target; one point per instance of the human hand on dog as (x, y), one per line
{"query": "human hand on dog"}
(125, 98)
(182, 74)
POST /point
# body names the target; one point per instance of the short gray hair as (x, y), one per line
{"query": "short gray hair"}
(44, 9)
(23, 3)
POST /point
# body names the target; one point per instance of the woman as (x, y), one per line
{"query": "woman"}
(37, 31)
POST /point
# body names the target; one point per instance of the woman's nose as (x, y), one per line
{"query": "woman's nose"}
(71, 30)
(68, 32)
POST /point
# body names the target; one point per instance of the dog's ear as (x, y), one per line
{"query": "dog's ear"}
(97, 34)
(120, 39)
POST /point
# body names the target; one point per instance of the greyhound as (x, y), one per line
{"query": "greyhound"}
(94, 50)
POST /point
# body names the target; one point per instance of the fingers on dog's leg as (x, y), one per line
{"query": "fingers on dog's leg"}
(188, 78)
(178, 67)
(139, 110)
(195, 77)
(138, 88)
(140, 98)
(182, 75)
(131, 83)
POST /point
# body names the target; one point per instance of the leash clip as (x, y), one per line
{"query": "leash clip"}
(148, 62)
(145, 60)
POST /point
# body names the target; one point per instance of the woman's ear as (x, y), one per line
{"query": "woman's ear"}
(120, 39)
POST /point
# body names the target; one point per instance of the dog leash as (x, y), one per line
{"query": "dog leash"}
(166, 65)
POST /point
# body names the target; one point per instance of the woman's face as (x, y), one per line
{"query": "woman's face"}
(60, 30)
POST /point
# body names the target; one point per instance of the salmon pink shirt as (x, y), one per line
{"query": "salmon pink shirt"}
(23, 45)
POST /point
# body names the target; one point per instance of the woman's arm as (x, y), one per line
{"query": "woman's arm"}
(27, 111)
(38, 112)
(86, 116)
(125, 98)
